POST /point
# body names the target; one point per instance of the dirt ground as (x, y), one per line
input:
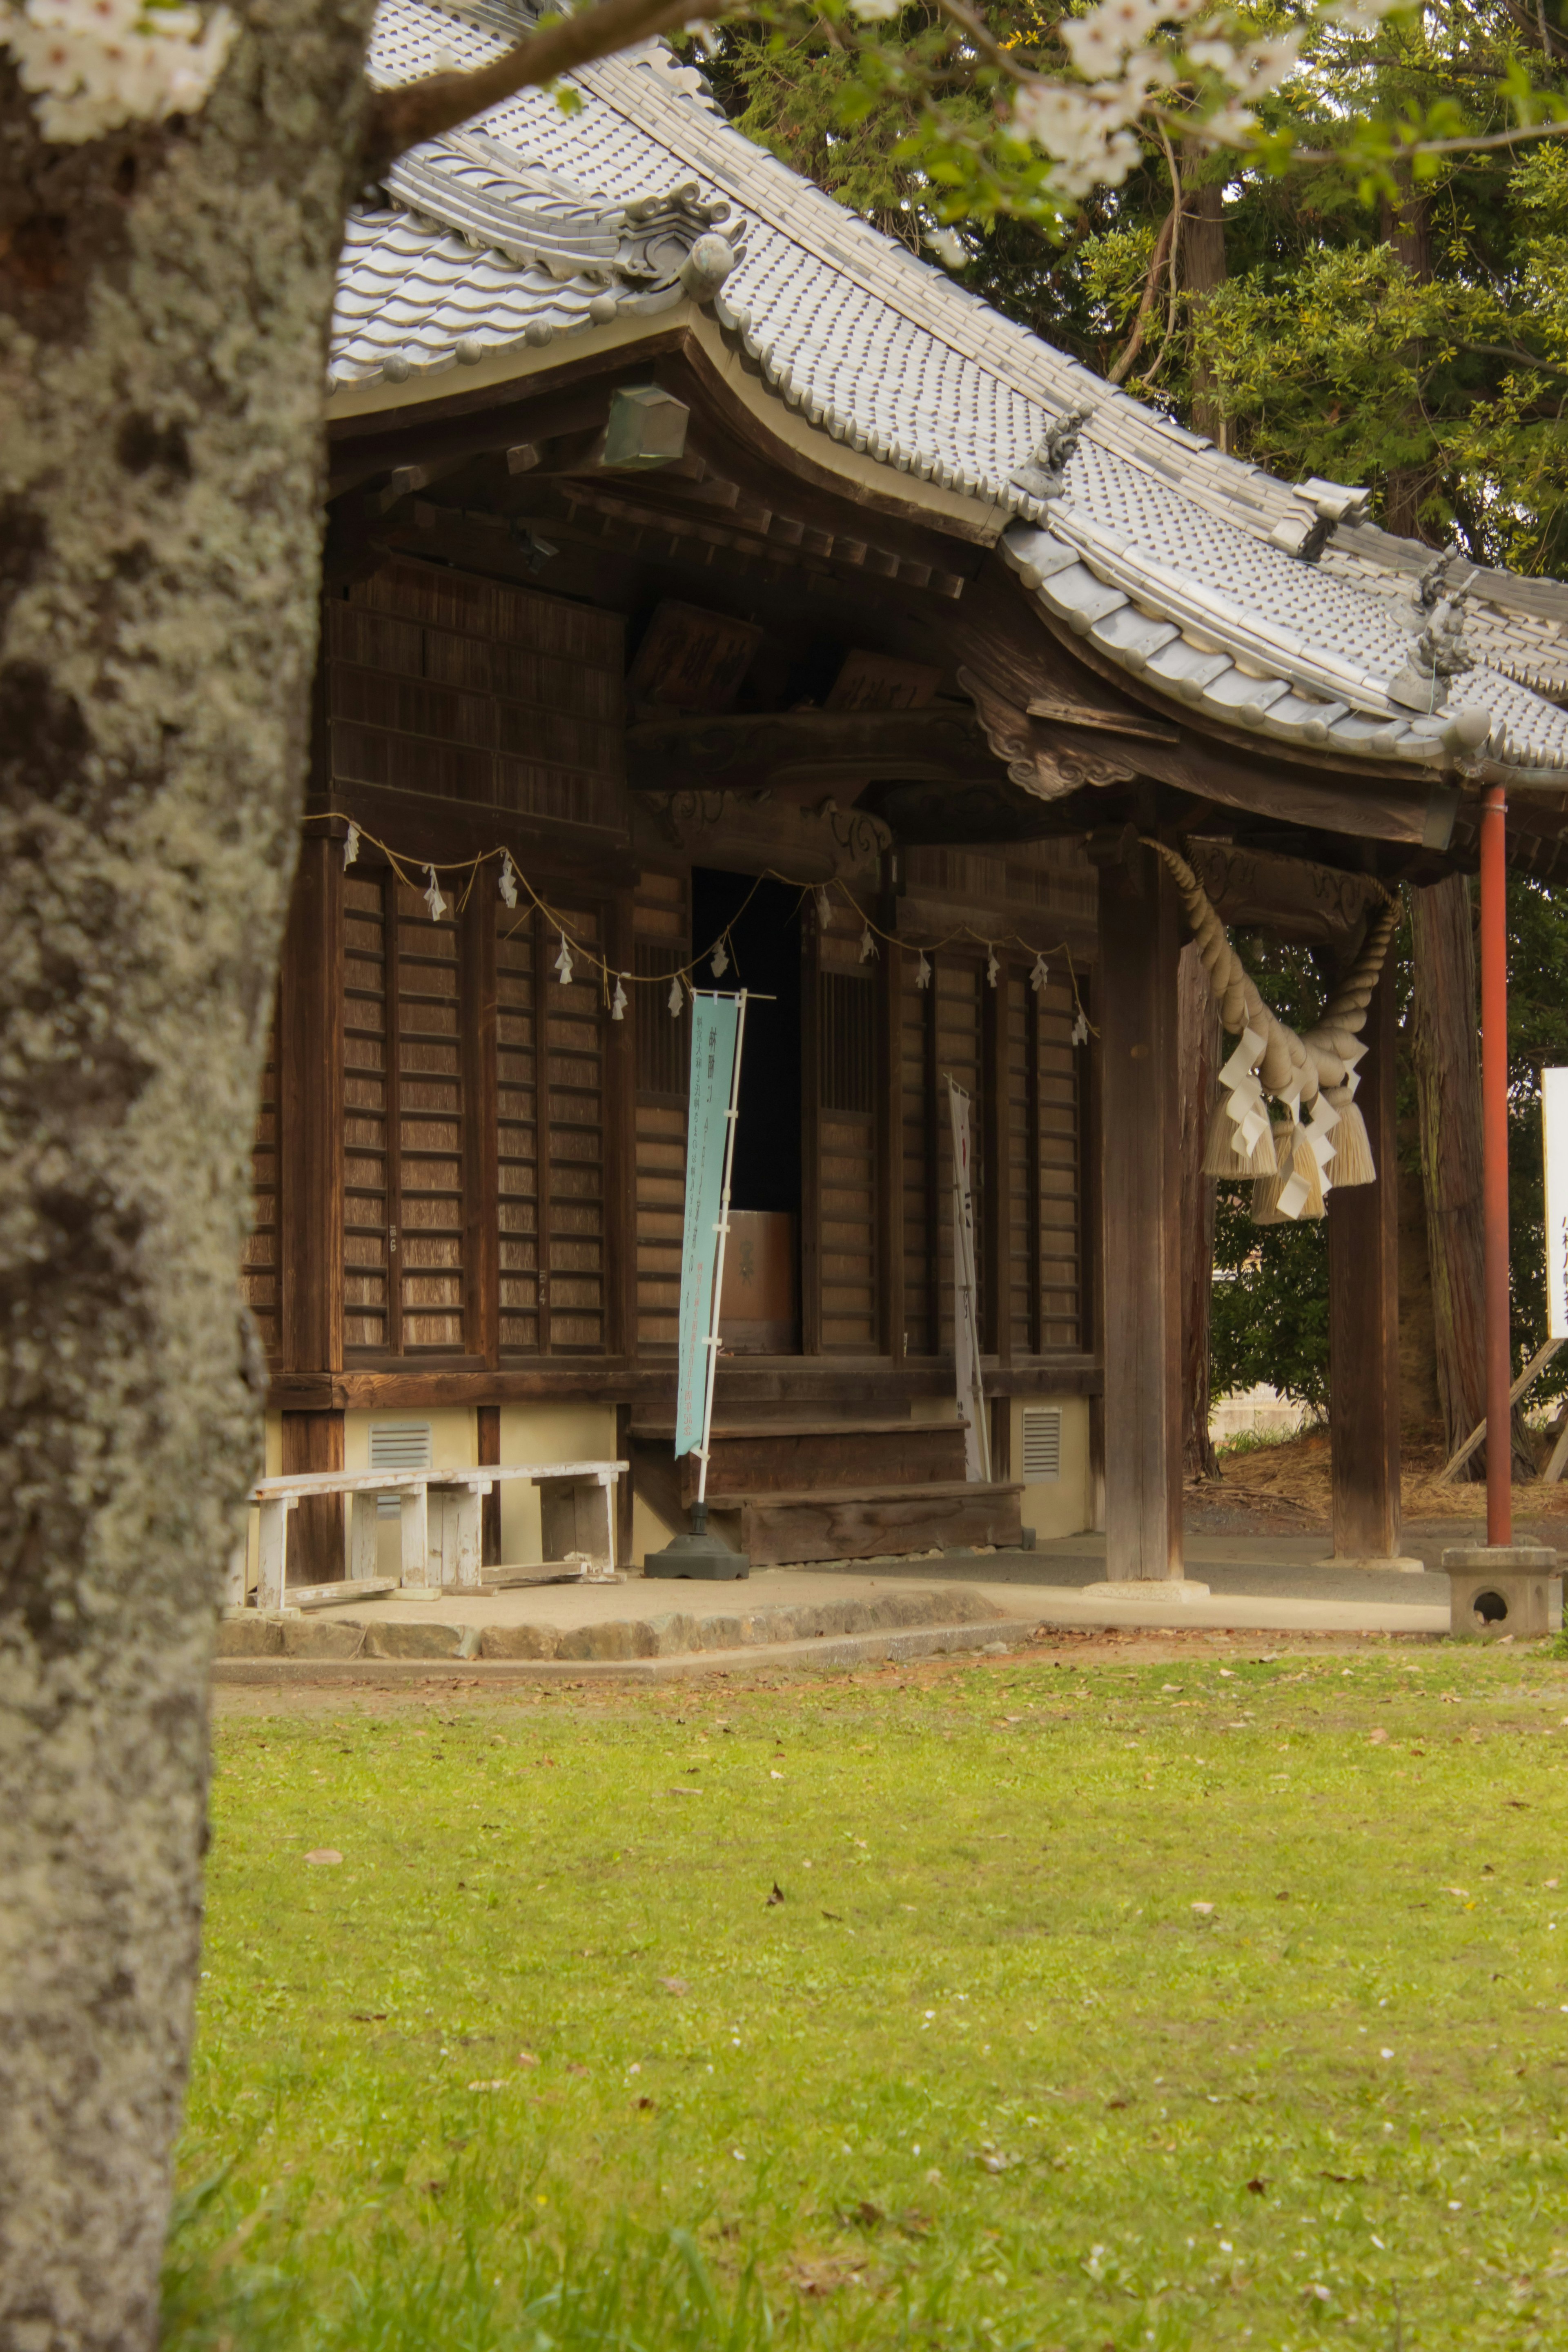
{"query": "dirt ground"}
(1284, 1489)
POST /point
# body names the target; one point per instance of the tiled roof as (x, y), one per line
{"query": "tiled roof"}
(1169, 556)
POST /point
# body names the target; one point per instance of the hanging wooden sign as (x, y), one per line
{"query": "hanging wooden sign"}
(1554, 1137)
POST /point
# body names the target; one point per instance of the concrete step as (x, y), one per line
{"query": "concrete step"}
(672, 1632)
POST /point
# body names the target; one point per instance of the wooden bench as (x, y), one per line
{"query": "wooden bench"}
(440, 1513)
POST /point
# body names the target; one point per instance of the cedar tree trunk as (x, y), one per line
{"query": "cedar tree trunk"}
(1203, 268)
(1407, 232)
(1197, 1054)
(1445, 1053)
(164, 296)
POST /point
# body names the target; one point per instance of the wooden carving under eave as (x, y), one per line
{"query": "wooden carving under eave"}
(1051, 771)
(808, 752)
(691, 660)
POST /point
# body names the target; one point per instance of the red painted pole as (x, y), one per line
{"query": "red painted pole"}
(1494, 1129)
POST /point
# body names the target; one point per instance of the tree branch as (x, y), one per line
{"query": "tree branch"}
(401, 118)
(1117, 373)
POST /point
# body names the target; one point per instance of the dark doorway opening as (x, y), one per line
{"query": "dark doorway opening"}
(763, 923)
(760, 924)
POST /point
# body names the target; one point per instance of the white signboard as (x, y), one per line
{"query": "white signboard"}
(1554, 1133)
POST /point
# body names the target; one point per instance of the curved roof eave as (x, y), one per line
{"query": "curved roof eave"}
(1176, 561)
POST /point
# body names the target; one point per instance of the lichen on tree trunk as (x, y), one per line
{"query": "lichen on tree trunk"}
(164, 297)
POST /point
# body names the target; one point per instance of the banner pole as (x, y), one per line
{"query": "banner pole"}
(700, 1508)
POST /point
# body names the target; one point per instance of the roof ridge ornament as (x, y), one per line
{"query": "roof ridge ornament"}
(1332, 503)
(1045, 474)
(1437, 652)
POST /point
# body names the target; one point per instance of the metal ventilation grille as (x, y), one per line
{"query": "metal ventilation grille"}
(398, 1445)
(1042, 1444)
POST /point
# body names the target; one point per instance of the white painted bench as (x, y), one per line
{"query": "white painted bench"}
(441, 1512)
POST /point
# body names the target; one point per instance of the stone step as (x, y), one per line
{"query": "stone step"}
(674, 1632)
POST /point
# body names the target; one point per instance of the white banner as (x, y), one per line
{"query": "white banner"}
(966, 1295)
(1555, 1136)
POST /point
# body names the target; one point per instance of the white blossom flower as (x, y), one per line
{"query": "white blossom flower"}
(947, 245)
(1212, 54)
(1264, 65)
(875, 12)
(93, 65)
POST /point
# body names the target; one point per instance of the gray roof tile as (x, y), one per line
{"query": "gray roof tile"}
(534, 222)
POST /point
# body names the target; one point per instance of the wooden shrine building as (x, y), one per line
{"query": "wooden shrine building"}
(706, 573)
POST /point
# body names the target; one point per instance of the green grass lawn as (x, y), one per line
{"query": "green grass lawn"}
(1098, 2004)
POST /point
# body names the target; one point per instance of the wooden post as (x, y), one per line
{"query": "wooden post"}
(996, 1159)
(310, 1116)
(1363, 1317)
(481, 1165)
(620, 1143)
(890, 1150)
(488, 1451)
(1141, 1203)
(314, 1440)
(810, 1139)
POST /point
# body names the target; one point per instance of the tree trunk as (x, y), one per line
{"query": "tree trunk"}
(1408, 231)
(1445, 1052)
(164, 296)
(1197, 1054)
(1203, 268)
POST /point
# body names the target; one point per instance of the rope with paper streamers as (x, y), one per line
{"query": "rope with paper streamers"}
(1294, 1164)
(717, 956)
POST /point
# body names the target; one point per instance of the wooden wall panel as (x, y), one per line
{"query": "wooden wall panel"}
(917, 1032)
(367, 1299)
(1057, 1207)
(446, 685)
(572, 1081)
(956, 983)
(517, 1136)
(1018, 1111)
(846, 1065)
(260, 1266)
(661, 921)
(426, 1238)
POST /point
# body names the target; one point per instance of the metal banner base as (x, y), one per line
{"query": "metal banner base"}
(698, 1554)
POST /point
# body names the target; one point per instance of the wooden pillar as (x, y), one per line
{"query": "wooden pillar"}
(489, 1449)
(481, 1162)
(1141, 1200)
(810, 1141)
(310, 1114)
(996, 1161)
(621, 1144)
(893, 1310)
(1364, 1315)
(314, 1440)
(310, 1187)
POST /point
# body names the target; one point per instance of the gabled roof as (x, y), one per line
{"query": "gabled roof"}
(1168, 557)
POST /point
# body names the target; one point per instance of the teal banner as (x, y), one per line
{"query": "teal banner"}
(714, 1021)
